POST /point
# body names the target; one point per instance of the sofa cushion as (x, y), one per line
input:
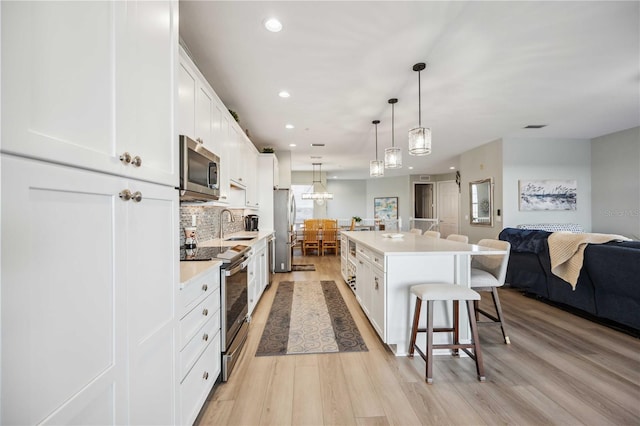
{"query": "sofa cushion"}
(525, 241)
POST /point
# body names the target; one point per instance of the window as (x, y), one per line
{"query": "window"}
(304, 208)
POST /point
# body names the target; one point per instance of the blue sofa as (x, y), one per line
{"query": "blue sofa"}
(609, 282)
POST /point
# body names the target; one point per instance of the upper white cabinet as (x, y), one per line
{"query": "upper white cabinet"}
(90, 83)
(266, 182)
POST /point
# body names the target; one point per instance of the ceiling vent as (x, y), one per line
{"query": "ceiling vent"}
(317, 144)
(425, 178)
(315, 157)
(535, 126)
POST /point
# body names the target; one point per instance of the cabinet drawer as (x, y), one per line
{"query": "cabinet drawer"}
(198, 316)
(189, 355)
(196, 289)
(196, 386)
(377, 260)
(363, 253)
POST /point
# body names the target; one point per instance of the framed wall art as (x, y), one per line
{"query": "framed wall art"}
(548, 195)
(385, 208)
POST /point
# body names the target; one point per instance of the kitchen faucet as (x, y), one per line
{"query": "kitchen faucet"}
(221, 215)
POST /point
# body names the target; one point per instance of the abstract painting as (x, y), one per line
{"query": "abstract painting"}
(548, 195)
(385, 208)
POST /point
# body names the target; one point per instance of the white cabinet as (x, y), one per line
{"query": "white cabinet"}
(84, 83)
(202, 116)
(251, 174)
(199, 341)
(268, 176)
(88, 293)
(89, 212)
(370, 286)
(257, 273)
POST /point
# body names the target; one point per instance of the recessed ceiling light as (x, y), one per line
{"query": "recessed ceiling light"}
(292, 144)
(410, 167)
(335, 177)
(273, 25)
(452, 168)
(289, 126)
(284, 94)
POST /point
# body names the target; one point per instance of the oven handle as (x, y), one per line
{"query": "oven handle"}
(237, 269)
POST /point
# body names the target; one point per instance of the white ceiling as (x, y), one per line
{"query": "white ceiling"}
(492, 68)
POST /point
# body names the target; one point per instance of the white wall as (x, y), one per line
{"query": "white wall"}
(391, 187)
(480, 163)
(546, 159)
(349, 199)
(615, 183)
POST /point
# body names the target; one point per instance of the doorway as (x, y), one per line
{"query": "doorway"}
(448, 205)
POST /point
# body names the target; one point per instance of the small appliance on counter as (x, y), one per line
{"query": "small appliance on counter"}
(251, 222)
(190, 239)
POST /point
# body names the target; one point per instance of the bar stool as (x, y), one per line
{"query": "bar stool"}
(456, 293)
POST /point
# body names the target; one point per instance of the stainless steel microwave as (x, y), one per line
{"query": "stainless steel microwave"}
(199, 172)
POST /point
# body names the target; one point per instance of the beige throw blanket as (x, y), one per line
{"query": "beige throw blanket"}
(566, 251)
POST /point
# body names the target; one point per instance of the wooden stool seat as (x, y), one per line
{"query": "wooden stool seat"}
(443, 291)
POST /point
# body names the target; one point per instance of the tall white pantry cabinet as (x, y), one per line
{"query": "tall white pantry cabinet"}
(89, 212)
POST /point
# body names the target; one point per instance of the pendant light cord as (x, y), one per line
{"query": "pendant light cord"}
(392, 127)
(419, 103)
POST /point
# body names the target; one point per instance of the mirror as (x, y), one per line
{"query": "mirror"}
(481, 202)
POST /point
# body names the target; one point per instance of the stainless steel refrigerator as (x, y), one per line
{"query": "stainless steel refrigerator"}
(284, 216)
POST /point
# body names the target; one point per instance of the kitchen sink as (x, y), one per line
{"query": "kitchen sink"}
(239, 238)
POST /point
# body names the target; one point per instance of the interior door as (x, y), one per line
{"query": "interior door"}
(448, 202)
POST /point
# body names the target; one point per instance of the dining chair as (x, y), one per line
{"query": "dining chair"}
(431, 234)
(311, 240)
(329, 240)
(416, 231)
(488, 272)
(458, 237)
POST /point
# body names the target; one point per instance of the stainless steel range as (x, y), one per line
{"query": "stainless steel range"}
(234, 308)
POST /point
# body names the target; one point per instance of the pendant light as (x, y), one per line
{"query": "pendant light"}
(376, 168)
(317, 192)
(419, 137)
(393, 155)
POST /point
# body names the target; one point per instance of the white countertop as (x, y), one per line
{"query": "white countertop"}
(191, 269)
(410, 244)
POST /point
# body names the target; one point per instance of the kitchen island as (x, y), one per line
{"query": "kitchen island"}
(385, 268)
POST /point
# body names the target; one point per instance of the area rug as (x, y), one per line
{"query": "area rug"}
(309, 317)
(305, 267)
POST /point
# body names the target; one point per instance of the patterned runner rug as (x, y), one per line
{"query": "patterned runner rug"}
(305, 267)
(309, 317)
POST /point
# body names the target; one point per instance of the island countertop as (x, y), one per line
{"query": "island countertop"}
(412, 244)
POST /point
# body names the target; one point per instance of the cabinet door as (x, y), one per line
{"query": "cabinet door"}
(152, 281)
(250, 175)
(221, 143)
(204, 115)
(84, 82)
(376, 313)
(63, 295)
(363, 284)
(186, 111)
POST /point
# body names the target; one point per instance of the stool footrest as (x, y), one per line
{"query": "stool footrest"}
(437, 330)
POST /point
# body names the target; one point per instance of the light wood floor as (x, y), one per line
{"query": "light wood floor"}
(559, 369)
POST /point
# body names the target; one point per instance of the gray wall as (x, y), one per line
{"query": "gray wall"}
(481, 163)
(615, 183)
(547, 159)
(349, 199)
(391, 187)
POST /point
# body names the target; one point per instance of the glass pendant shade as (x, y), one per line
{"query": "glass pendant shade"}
(393, 158)
(420, 141)
(376, 168)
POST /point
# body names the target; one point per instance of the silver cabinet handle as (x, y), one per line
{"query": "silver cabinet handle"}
(137, 161)
(205, 376)
(125, 158)
(125, 195)
(205, 337)
(205, 312)
(204, 287)
(136, 197)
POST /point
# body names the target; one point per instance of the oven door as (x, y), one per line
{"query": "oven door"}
(234, 296)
